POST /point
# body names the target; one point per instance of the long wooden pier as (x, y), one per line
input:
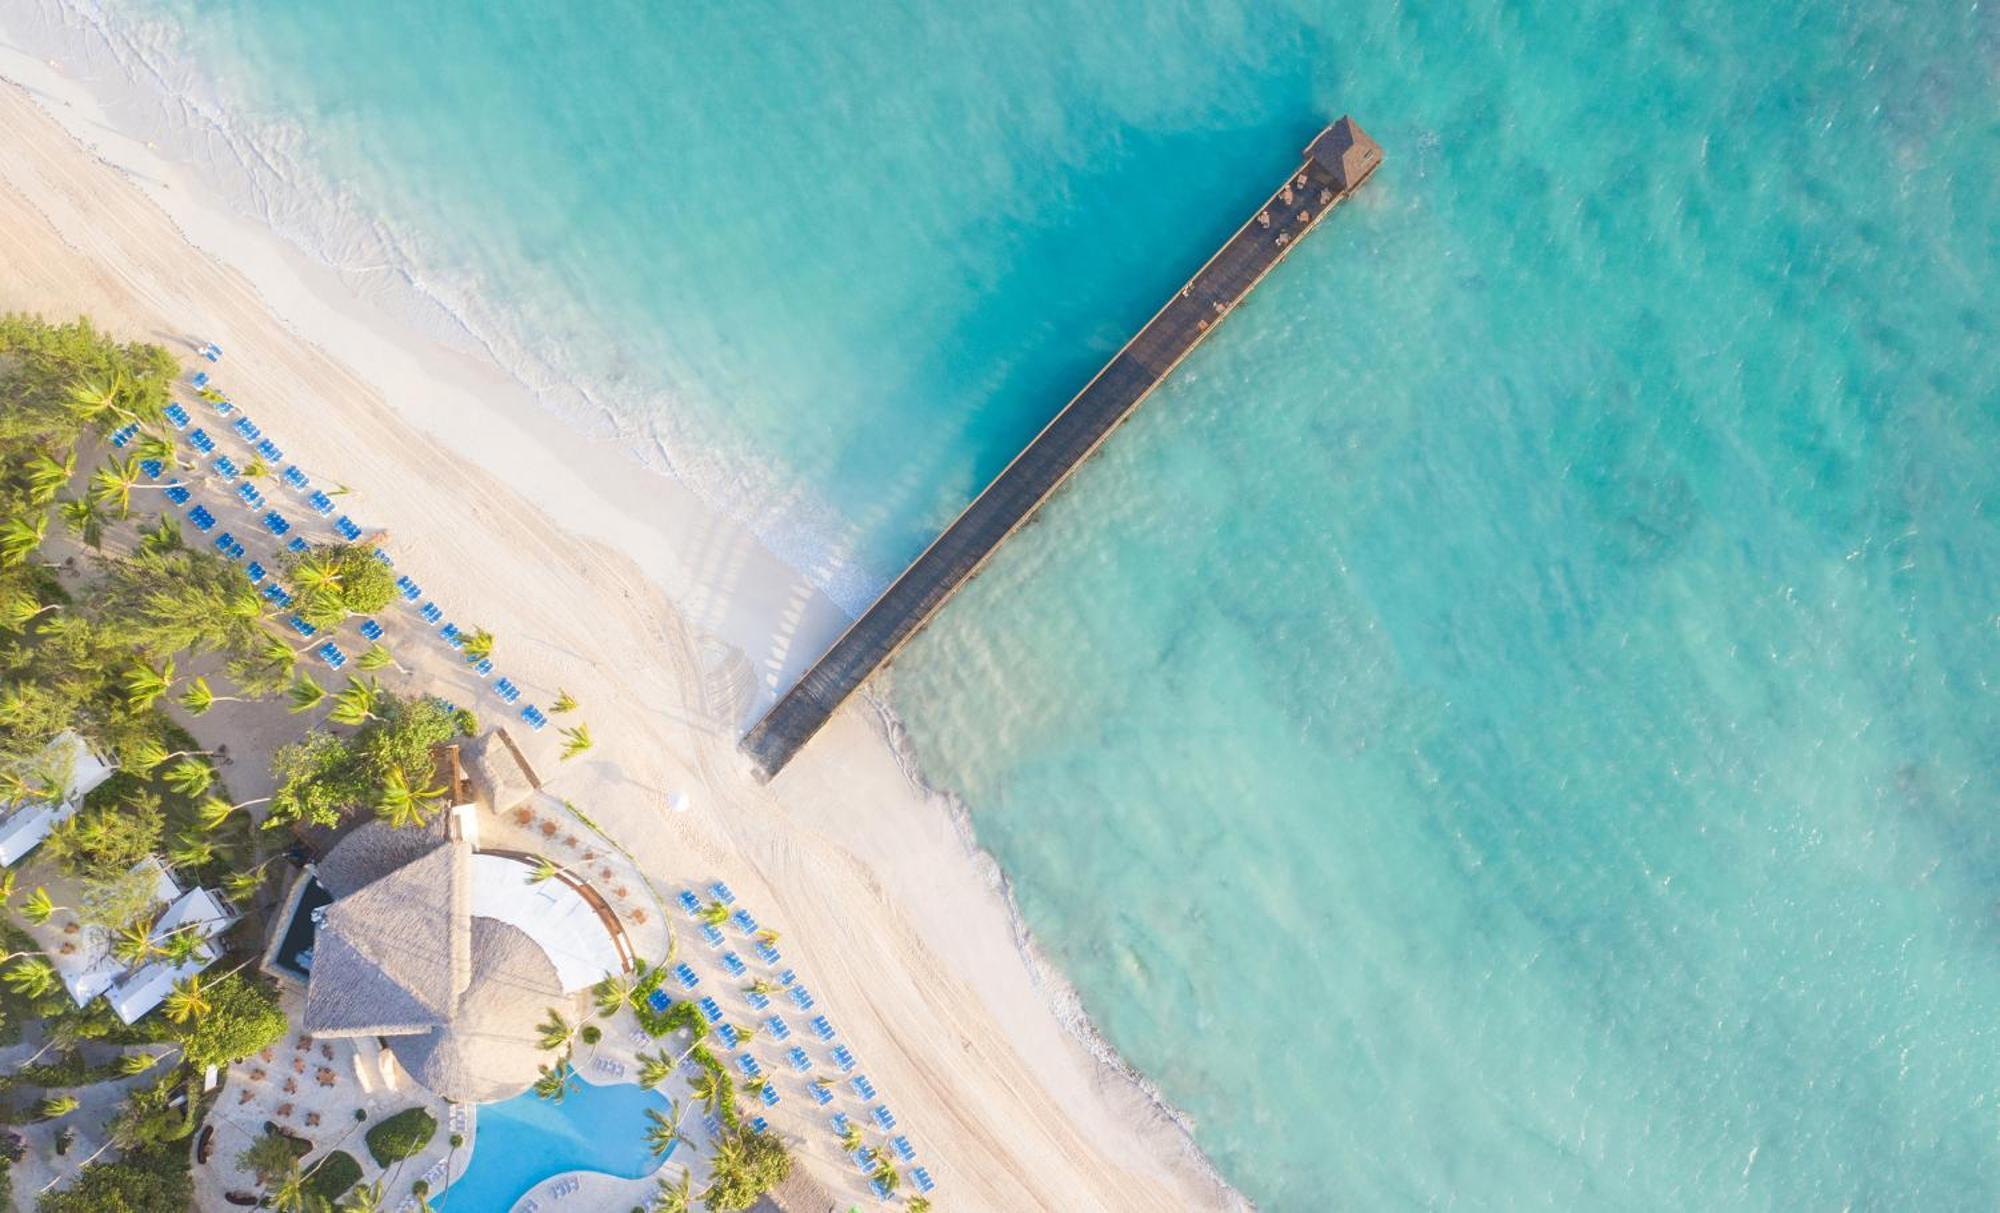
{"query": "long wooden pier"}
(1337, 161)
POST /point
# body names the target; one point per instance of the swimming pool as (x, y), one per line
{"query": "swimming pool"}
(527, 1139)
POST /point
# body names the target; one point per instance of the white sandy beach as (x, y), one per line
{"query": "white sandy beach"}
(665, 620)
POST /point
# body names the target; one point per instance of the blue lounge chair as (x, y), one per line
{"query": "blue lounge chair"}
(370, 630)
(407, 588)
(255, 572)
(451, 635)
(382, 554)
(802, 997)
(744, 922)
(769, 1096)
(757, 1001)
(711, 936)
(331, 655)
(200, 380)
(223, 541)
(509, 693)
(709, 1010)
(275, 523)
(247, 494)
(822, 1028)
(202, 519)
(124, 434)
(843, 1059)
(721, 893)
(297, 544)
(178, 495)
(758, 1124)
(236, 550)
(200, 441)
(483, 666)
(734, 964)
(249, 432)
(922, 1179)
(533, 715)
(686, 975)
(431, 612)
(225, 467)
(296, 478)
(840, 1125)
(880, 1189)
(178, 416)
(153, 468)
(690, 902)
(727, 1031)
(798, 1058)
(303, 628)
(345, 528)
(212, 352)
(275, 594)
(777, 1027)
(321, 503)
(862, 1086)
(787, 977)
(269, 450)
(904, 1150)
(714, 1126)
(768, 954)
(820, 1095)
(748, 1065)
(883, 1116)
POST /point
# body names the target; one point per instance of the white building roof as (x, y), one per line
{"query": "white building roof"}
(27, 823)
(552, 914)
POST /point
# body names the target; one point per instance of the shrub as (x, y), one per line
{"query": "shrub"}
(591, 1033)
(333, 1175)
(402, 1136)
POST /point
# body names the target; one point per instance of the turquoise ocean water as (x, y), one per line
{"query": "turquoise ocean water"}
(1512, 726)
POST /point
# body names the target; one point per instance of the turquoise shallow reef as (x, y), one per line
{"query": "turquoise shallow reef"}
(1512, 726)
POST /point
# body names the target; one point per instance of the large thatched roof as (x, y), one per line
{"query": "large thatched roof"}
(399, 954)
(488, 1050)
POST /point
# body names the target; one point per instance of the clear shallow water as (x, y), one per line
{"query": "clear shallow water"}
(527, 1139)
(1511, 726)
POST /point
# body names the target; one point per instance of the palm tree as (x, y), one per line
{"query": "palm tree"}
(885, 1174)
(364, 1198)
(192, 851)
(403, 806)
(744, 1035)
(30, 977)
(55, 1106)
(19, 537)
(654, 1069)
(145, 755)
(133, 944)
(378, 657)
(576, 741)
(134, 1064)
(565, 702)
(356, 703)
(19, 607)
(47, 475)
(241, 886)
(190, 777)
(144, 684)
(40, 907)
(113, 484)
(767, 935)
(556, 1031)
(187, 1000)
(763, 986)
(614, 993)
(291, 1194)
(214, 810)
(305, 694)
(198, 698)
(83, 519)
(162, 538)
(100, 402)
(663, 1129)
(478, 645)
(556, 1081)
(919, 1204)
(675, 1197)
(714, 914)
(707, 1090)
(851, 1140)
(544, 871)
(316, 572)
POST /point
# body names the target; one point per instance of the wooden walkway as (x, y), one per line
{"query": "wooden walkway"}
(1336, 163)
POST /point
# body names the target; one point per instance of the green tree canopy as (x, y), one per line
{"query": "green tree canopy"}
(242, 1017)
(336, 580)
(324, 775)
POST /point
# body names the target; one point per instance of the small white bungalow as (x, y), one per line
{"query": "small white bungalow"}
(132, 991)
(24, 824)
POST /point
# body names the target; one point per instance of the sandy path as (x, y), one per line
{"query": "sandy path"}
(897, 924)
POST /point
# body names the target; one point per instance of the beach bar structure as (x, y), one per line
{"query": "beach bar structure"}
(1337, 161)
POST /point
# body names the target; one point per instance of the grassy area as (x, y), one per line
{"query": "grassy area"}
(333, 1175)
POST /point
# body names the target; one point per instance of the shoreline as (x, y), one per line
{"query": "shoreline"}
(746, 597)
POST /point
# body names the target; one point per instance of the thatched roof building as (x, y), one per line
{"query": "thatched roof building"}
(400, 955)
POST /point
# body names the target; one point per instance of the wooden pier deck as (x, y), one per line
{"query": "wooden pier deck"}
(1336, 163)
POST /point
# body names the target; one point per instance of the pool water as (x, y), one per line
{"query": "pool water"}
(527, 1139)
